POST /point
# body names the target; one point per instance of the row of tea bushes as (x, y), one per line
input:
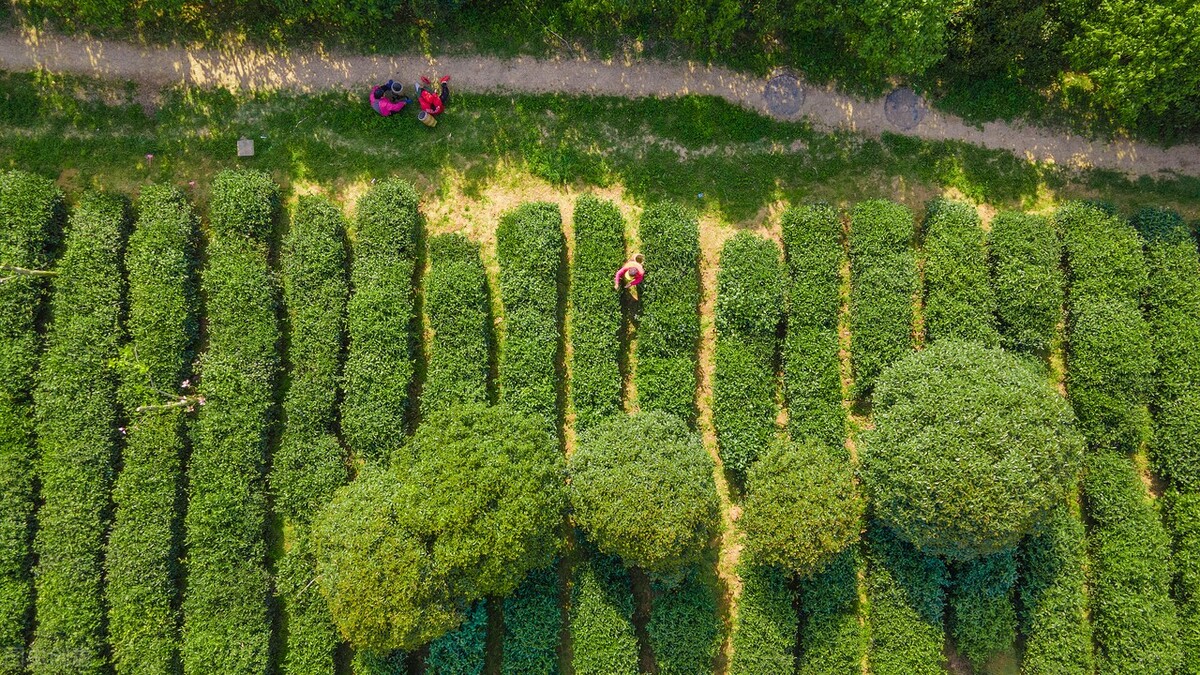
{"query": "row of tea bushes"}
(1053, 598)
(959, 300)
(1025, 255)
(596, 312)
(456, 302)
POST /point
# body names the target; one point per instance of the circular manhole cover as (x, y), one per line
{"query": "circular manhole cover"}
(903, 108)
(784, 95)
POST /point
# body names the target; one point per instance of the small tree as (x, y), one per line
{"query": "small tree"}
(403, 552)
(971, 447)
(642, 488)
(802, 507)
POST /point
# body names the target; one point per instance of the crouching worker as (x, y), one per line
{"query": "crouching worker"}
(432, 103)
(631, 273)
(388, 98)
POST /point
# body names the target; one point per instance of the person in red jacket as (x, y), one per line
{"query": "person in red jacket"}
(433, 103)
(386, 99)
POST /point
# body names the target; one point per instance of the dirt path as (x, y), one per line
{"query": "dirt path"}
(240, 67)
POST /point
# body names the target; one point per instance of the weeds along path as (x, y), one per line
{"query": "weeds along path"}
(238, 66)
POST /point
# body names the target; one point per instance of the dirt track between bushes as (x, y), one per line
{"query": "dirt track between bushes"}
(241, 67)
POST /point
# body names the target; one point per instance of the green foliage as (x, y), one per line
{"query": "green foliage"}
(226, 623)
(367, 662)
(832, 641)
(802, 507)
(1183, 522)
(311, 635)
(812, 371)
(1058, 636)
(984, 621)
(906, 592)
(31, 208)
(456, 301)
(959, 301)
(244, 203)
(142, 569)
(461, 651)
(684, 629)
(531, 250)
(401, 553)
(1025, 256)
(532, 624)
(1175, 450)
(884, 280)
(971, 447)
(669, 326)
(1136, 627)
(764, 633)
(1104, 253)
(750, 292)
(379, 362)
(602, 635)
(596, 311)
(76, 412)
(642, 488)
(1173, 301)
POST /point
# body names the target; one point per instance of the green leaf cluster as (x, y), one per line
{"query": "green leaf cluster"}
(457, 304)
(596, 311)
(984, 621)
(1183, 521)
(461, 651)
(764, 631)
(1053, 598)
(906, 592)
(684, 629)
(602, 635)
(1028, 281)
(532, 625)
(959, 300)
(832, 640)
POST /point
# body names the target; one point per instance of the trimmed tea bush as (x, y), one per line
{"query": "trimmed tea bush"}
(764, 632)
(812, 371)
(1104, 254)
(379, 362)
(971, 446)
(602, 635)
(596, 311)
(883, 283)
(669, 326)
(642, 488)
(1028, 280)
(461, 651)
(1173, 301)
(984, 621)
(1183, 521)
(532, 625)
(485, 484)
(31, 209)
(832, 641)
(684, 630)
(226, 623)
(750, 285)
(959, 301)
(76, 409)
(1136, 627)
(142, 568)
(1058, 636)
(531, 249)
(1176, 447)
(906, 592)
(456, 301)
(802, 507)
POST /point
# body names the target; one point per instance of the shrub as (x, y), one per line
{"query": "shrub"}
(141, 567)
(456, 300)
(1025, 256)
(485, 484)
(596, 312)
(76, 409)
(532, 624)
(971, 447)
(984, 621)
(812, 371)
(764, 632)
(461, 651)
(311, 636)
(884, 281)
(905, 589)
(832, 641)
(367, 662)
(1136, 627)
(669, 325)
(959, 301)
(1104, 254)
(31, 207)
(1175, 450)
(226, 624)
(749, 302)
(602, 635)
(1110, 373)
(379, 362)
(684, 629)
(642, 488)
(1183, 522)
(802, 507)
(1058, 636)
(1173, 301)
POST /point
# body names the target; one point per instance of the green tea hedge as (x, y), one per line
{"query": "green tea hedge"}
(379, 362)
(750, 292)
(984, 621)
(1135, 622)
(1053, 594)
(457, 304)
(959, 300)
(1026, 255)
(602, 636)
(883, 272)
(1104, 253)
(596, 311)
(142, 563)
(905, 590)
(832, 641)
(1173, 301)
(531, 249)
(532, 625)
(684, 629)
(461, 651)
(1183, 521)
(309, 463)
(812, 378)
(31, 209)
(764, 632)
(669, 325)
(226, 623)
(1175, 449)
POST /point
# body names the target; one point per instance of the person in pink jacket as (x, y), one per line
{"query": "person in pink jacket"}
(386, 99)
(632, 274)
